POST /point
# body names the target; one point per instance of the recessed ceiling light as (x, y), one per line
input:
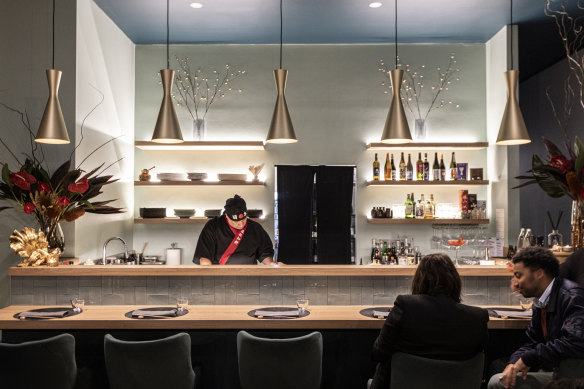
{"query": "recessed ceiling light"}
(375, 5)
(196, 5)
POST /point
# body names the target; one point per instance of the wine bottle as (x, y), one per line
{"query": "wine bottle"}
(402, 168)
(436, 168)
(419, 168)
(387, 168)
(433, 205)
(393, 171)
(408, 204)
(442, 168)
(409, 169)
(426, 174)
(376, 169)
(420, 207)
(453, 174)
(413, 211)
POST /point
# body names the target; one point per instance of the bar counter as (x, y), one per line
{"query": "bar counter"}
(212, 317)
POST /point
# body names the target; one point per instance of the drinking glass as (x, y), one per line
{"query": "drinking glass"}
(182, 303)
(78, 304)
(526, 302)
(302, 304)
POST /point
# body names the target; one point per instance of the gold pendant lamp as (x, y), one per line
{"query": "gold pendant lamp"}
(512, 130)
(167, 129)
(52, 128)
(396, 129)
(281, 129)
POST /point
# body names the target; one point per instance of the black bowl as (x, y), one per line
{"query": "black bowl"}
(152, 212)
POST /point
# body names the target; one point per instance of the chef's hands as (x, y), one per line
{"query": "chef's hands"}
(270, 262)
(510, 373)
(205, 261)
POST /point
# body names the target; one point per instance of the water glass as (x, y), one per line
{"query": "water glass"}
(526, 302)
(303, 304)
(78, 304)
(182, 303)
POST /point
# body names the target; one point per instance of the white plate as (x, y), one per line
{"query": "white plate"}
(232, 177)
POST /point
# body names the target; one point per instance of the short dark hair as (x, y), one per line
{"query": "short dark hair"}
(436, 275)
(536, 258)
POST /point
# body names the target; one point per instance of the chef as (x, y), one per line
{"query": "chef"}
(233, 239)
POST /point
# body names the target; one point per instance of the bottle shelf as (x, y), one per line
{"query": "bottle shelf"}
(198, 183)
(427, 183)
(201, 145)
(429, 146)
(176, 220)
(427, 221)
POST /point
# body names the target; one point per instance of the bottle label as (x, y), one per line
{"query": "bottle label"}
(409, 175)
(453, 174)
(376, 172)
(402, 173)
(436, 174)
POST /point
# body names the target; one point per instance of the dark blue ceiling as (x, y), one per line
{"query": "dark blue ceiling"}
(318, 21)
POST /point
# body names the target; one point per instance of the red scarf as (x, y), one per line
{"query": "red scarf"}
(234, 243)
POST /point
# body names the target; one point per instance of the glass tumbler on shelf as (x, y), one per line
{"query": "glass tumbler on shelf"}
(555, 238)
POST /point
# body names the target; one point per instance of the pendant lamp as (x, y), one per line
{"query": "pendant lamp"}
(52, 128)
(281, 129)
(512, 130)
(396, 129)
(167, 128)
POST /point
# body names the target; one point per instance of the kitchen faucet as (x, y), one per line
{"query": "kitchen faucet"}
(109, 240)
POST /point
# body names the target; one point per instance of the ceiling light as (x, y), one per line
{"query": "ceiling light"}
(196, 5)
(375, 5)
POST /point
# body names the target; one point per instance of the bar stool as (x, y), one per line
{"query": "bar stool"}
(48, 363)
(571, 368)
(294, 363)
(162, 363)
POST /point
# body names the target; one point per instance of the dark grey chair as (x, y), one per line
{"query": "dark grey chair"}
(48, 363)
(411, 371)
(571, 368)
(294, 363)
(162, 363)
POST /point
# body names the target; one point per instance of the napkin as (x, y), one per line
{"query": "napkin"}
(62, 313)
(290, 313)
(162, 312)
(527, 313)
(380, 313)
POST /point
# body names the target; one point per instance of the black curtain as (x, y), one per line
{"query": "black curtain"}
(334, 199)
(294, 189)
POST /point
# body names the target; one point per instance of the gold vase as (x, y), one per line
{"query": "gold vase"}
(578, 224)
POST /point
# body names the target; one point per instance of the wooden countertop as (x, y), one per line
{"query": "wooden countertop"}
(243, 270)
(211, 317)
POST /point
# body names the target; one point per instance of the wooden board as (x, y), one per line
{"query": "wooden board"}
(426, 221)
(201, 145)
(199, 183)
(176, 220)
(427, 183)
(429, 146)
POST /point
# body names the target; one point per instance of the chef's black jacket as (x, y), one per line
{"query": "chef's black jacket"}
(216, 236)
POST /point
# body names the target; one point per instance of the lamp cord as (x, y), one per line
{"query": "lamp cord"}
(53, 34)
(281, 22)
(167, 34)
(511, 22)
(396, 34)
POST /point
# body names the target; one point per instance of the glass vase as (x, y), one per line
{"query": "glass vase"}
(53, 234)
(199, 129)
(420, 129)
(577, 224)
(555, 238)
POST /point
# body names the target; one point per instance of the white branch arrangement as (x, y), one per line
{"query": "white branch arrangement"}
(196, 92)
(413, 95)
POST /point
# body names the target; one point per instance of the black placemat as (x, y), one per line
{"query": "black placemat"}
(369, 311)
(492, 310)
(178, 313)
(70, 312)
(276, 309)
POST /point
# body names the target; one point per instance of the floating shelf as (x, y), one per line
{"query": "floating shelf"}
(427, 183)
(176, 220)
(201, 145)
(188, 183)
(427, 221)
(429, 146)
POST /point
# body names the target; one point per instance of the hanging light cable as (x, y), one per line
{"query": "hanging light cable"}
(281, 129)
(512, 130)
(52, 128)
(167, 129)
(396, 129)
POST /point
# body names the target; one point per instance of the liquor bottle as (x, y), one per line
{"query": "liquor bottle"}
(393, 171)
(419, 168)
(420, 207)
(433, 204)
(520, 239)
(387, 168)
(373, 243)
(408, 204)
(428, 210)
(436, 168)
(453, 174)
(413, 213)
(402, 168)
(376, 169)
(442, 168)
(426, 174)
(409, 169)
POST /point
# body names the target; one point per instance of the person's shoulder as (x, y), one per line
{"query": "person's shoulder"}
(474, 311)
(570, 287)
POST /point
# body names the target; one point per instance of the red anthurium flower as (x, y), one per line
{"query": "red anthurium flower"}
(63, 200)
(562, 163)
(80, 186)
(28, 207)
(22, 179)
(43, 187)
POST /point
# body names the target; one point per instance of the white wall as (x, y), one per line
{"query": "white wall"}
(105, 65)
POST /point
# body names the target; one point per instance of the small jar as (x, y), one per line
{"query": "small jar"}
(555, 238)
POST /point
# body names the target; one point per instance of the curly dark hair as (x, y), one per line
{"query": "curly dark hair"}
(436, 275)
(536, 258)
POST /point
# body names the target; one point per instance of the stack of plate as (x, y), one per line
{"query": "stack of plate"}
(171, 176)
(184, 213)
(213, 212)
(196, 176)
(232, 177)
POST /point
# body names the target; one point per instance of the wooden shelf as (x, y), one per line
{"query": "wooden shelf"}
(201, 145)
(428, 183)
(429, 146)
(427, 221)
(198, 183)
(176, 220)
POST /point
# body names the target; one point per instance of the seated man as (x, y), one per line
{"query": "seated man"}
(556, 330)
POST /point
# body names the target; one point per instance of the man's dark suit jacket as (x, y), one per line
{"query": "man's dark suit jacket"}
(429, 326)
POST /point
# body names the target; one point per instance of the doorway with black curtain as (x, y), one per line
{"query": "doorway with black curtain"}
(314, 216)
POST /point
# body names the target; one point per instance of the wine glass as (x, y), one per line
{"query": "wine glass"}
(456, 243)
(302, 304)
(78, 304)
